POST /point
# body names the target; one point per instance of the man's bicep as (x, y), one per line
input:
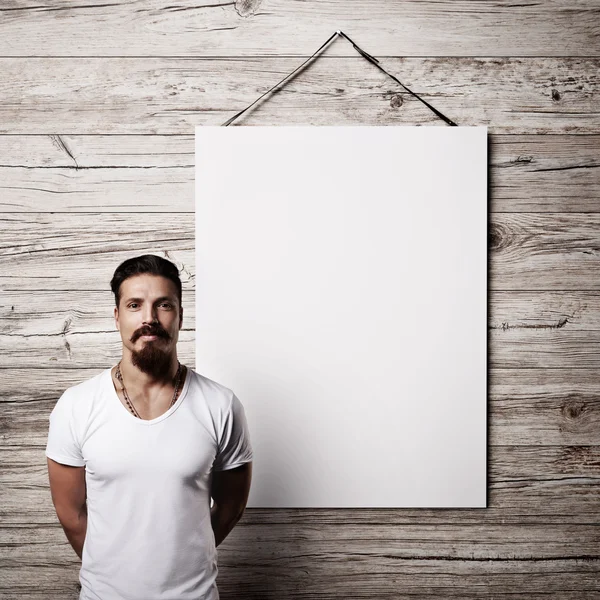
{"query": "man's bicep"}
(232, 486)
(68, 489)
(234, 445)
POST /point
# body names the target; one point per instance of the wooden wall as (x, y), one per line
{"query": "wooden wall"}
(98, 103)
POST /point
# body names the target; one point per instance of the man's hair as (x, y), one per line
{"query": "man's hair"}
(147, 263)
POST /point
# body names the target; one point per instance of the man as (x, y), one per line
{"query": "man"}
(136, 452)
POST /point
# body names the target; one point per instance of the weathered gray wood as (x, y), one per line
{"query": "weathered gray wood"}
(277, 27)
(63, 251)
(373, 570)
(80, 152)
(313, 575)
(92, 247)
(155, 173)
(169, 95)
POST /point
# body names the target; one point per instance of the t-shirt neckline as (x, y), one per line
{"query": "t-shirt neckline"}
(165, 415)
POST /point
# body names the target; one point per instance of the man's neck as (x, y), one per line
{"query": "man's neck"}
(141, 381)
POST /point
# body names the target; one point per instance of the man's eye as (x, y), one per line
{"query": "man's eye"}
(167, 304)
(133, 305)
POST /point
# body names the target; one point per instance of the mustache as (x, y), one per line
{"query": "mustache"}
(156, 330)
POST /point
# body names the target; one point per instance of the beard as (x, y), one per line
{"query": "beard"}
(152, 360)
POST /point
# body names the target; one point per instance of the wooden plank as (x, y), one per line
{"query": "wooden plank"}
(528, 251)
(155, 173)
(540, 330)
(357, 573)
(172, 96)
(315, 576)
(544, 173)
(83, 153)
(91, 247)
(118, 189)
(157, 27)
(544, 252)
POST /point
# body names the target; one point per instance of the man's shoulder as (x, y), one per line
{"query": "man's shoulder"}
(215, 393)
(84, 390)
(77, 400)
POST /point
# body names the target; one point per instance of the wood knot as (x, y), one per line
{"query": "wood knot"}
(66, 326)
(573, 409)
(523, 159)
(247, 8)
(396, 101)
(555, 95)
(580, 457)
(582, 460)
(499, 236)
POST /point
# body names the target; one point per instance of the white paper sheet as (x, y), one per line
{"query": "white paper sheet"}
(341, 292)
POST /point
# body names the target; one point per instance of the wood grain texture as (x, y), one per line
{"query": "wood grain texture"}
(98, 104)
(277, 27)
(425, 579)
(132, 173)
(172, 96)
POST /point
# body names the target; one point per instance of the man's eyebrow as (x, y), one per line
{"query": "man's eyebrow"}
(161, 299)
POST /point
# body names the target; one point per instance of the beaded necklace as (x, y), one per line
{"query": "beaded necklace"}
(178, 379)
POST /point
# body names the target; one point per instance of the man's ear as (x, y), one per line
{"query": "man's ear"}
(116, 314)
(180, 317)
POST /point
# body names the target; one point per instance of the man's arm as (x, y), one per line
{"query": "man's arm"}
(229, 491)
(67, 486)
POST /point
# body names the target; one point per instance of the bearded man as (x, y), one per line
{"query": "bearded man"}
(136, 453)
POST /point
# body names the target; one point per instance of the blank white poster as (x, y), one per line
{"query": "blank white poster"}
(341, 293)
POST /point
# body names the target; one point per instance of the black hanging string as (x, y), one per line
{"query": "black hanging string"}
(370, 58)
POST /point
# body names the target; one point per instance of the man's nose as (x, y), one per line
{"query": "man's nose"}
(149, 314)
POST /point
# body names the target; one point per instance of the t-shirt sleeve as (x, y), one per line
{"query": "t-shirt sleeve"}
(62, 445)
(234, 448)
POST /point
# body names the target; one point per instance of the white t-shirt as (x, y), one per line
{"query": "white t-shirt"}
(149, 535)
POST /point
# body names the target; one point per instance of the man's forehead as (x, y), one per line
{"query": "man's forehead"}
(148, 284)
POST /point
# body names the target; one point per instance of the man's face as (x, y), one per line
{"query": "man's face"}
(149, 319)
